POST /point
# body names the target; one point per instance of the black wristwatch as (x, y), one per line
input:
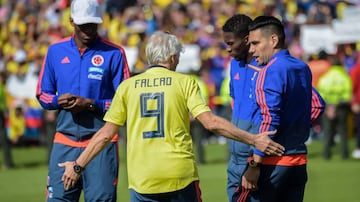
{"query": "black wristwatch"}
(254, 164)
(91, 107)
(77, 168)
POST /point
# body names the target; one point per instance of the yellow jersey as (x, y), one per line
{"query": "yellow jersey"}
(155, 107)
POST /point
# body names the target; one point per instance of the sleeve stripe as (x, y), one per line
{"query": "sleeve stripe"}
(46, 98)
(107, 105)
(315, 106)
(261, 99)
(38, 86)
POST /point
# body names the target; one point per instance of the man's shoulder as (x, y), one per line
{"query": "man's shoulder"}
(60, 44)
(287, 62)
(61, 41)
(110, 45)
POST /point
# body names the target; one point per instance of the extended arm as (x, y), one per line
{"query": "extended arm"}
(225, 128)
(96, 145)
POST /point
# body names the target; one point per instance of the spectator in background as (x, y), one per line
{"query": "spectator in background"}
(17, 122)
(319, 65)
(139, 31)
(355, 104)
(21, 86)
(175, 19)
(347, 54)
(118, 6)
(320, 13)
(79, 78)
(156, 137)
(4, 141)
(336, 88)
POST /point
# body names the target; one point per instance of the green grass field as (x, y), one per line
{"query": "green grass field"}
(329, 181)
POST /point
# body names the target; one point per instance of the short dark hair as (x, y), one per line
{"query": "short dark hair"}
(269, 25)
(237, 24)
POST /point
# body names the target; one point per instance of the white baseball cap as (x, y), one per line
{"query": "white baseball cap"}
(85, 11)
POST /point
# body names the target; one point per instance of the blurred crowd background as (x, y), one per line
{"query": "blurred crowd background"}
(319, 32)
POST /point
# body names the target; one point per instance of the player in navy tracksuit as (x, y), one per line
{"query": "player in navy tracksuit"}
(79, 77)
(235, 33)
(284, 95)
(317, 109)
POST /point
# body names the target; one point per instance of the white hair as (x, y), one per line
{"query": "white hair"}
(161, 46)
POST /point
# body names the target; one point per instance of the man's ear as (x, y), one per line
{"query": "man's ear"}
(246, 39)
(173, 59)
(275, 40)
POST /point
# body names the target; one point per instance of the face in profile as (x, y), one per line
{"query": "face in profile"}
(261, 47)
(236, 46)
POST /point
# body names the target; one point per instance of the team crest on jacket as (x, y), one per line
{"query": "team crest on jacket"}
(97, 60)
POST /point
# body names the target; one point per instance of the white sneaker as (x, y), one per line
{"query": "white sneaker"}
(356, 154)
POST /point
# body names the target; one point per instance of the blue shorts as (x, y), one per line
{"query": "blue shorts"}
(98, 180)
(191, 193)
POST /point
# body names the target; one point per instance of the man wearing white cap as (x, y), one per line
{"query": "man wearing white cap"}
(79, 79)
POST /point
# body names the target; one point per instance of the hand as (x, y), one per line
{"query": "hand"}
(74, 103)
(66, 101)
(265, 144)
(69, 177)
(250, 178)
(81, 104)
